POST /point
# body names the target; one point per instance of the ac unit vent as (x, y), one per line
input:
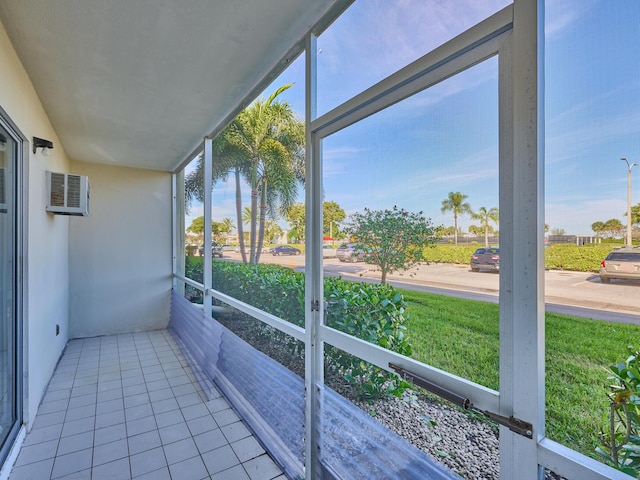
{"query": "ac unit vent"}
(73, 197)
(56, 198)
(67, 194)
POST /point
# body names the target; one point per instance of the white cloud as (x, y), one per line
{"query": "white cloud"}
(561, 14)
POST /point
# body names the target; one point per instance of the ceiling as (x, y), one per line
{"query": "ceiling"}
(140, 83)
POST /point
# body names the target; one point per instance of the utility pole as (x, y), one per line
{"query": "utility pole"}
(629, 167)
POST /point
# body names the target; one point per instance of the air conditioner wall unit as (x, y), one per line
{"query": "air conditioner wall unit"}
(67, 194)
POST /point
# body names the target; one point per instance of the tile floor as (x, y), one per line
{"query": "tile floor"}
(128, 407)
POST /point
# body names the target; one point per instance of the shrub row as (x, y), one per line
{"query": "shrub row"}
(585, 258)
(372, 312)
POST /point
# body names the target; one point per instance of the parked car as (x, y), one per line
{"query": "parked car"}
(350, 253)
(328, 251)
(247, 248)
(622, 263)
(485, 258)
(216, 250)
(284, 250)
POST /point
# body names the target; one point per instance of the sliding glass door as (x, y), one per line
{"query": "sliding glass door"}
(9, 332)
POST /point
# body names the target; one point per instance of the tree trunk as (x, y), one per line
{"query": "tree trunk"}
(486, 236)
(239, 216)
(254, 213)
(263, 215)
(455, 231)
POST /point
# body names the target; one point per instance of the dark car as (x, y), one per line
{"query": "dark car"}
(485, 258)
(216, 250)
(623, 264)
(350, 253)
(284, 250)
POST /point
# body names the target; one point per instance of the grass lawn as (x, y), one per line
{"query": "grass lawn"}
(461, 337)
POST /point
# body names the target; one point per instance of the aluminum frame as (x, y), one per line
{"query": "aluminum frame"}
(15, 436)
(486, 39)
(515, 35)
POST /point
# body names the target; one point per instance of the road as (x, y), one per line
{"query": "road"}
(573, 293)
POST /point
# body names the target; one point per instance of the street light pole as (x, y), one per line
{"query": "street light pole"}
(629, 167)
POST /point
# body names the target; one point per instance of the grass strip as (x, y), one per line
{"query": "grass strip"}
(462, 337)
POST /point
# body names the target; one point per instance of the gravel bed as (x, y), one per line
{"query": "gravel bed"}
(466, 445)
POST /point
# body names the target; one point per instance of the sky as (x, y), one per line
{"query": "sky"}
(445, 139)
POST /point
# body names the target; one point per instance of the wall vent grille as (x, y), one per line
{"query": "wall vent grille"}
(67, 194)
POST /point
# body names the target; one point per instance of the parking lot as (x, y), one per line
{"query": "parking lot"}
(561, 287)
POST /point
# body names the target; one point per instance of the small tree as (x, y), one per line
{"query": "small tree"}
(295, 215)
(393, 239)
(197, 227)
(332, 214)
(635, 214)
(598, 228)
(475, 230)
(613, 227)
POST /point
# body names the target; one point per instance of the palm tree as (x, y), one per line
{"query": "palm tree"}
(455, 203)
(271, 138)
(246, 215)
(228, 224)
(265, 146)
(272, 230)
(227, 158)
(485, 216)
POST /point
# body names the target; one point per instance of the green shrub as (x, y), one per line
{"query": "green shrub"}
(459, 254)
(272, 288)
(622, 440)
(575, 258)
(584, 258)
(194, 267)
(372, 312)
(375, 313)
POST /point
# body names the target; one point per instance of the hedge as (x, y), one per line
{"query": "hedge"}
(372, 312)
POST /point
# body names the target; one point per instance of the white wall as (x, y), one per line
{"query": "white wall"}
(120, 256)
(108, 273)
(47, 275)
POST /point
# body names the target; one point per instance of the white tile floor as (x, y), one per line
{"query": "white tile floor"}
(128, 407)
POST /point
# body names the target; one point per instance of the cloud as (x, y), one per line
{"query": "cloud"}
(335, 160)
(560, 15)
(374, 39)
(594, 132)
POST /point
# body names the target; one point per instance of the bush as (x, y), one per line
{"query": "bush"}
(459, 254)
(272, 288)
(584, 258)
(622, 440)
(575, 258)
(372, 312)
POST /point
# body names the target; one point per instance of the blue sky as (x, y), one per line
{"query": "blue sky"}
(445, 138)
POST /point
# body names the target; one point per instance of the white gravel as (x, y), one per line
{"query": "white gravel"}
(467, 446)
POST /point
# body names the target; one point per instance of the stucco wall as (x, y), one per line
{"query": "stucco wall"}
(108, 273)
(46, 287)
(120, 256)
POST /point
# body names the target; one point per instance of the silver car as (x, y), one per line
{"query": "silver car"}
(622, 263)
(349, 253)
